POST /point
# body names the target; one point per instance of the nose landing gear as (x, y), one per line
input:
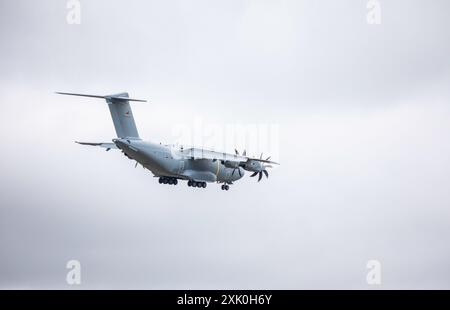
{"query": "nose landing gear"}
(225, 187)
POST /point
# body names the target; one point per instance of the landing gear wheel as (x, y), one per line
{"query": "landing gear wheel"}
(226, 187)
(175, 181)
(160, 180)
(189, 183)
(204, 184)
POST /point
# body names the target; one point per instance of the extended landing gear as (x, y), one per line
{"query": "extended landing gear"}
(196, 184)
(225, 187)
(168, 180)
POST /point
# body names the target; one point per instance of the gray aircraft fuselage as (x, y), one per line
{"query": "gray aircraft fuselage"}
(165, 160)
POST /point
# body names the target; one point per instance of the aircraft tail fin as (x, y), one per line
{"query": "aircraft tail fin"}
(121, 113)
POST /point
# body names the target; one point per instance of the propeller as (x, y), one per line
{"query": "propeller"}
(263, 170)
(239, 170)
(244, 153)
(260, 173)
(258, 164)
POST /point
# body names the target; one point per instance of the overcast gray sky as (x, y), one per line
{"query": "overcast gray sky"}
(363, 116)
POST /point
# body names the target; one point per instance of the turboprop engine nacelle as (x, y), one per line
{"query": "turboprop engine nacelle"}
(253, 165)
(231, 164)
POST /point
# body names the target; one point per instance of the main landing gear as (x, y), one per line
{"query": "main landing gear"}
(225, 187)
(168, 180)
(196, 184)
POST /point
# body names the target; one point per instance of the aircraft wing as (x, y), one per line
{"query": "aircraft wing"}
(198, 153)
(107, 146)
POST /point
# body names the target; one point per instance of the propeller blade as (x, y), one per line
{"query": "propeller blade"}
(254, 174)
(136, 165)
(260, 157)
(268, 158)
(240, 173)
(236, 151)
(260, 176)
(264, 161)
(244, 153)
(232, 173)
(266, 173)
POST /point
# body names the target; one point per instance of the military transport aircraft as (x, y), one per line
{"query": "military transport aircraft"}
(172, 163)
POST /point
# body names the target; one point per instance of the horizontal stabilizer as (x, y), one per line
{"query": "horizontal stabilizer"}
(107, 146)
(103, 97)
